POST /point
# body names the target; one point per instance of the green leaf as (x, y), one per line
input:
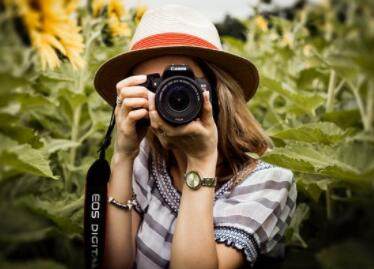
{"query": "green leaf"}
(292, 234)
(75, 99)
(27, 101)
(321, 132)
(347, 161)
(11, 127)
(60, 212)
(24, 158)
(53, 145)
(344, 118)
(8, 83)
(299, 101)
(307, 76)
(313, 185)
(18, 225)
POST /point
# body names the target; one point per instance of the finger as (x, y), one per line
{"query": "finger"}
(190, 128)
(133, 103)
(130, 81)
(117, 114)
(207, 111)
(155, 119)
(135, 115)
(151, 101)
(133, 91)
(159, 123)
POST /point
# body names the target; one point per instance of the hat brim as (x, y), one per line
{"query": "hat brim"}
(119, 66)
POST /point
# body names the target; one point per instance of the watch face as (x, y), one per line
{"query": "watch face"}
(193, 180)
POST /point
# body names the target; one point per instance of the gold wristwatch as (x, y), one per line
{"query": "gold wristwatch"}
(194, 181)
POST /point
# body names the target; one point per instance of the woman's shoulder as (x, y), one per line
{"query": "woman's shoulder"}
(268, 174)
(267, 183)
(257, 210)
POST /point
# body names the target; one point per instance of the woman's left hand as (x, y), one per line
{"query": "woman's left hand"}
(198, 139)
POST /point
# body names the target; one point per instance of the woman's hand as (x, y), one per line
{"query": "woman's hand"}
(198, 139)
(126, 115)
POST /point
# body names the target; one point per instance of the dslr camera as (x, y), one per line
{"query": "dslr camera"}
(178, 94)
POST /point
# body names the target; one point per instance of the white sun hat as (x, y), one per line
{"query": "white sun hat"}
(174, 29)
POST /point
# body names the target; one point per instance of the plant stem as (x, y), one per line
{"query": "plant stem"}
(370, 106)
(339, 87)
(74, 137)
(75, 132)
(80, 86)
(361, 106)
(329, 210)
(331, 92)
(71, 207)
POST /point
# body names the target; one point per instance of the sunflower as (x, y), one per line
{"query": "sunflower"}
(52, 30)
(115, 12)
(261, 23)
(140, 10)
(97, 7)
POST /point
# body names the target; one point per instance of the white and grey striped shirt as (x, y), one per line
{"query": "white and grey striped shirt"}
(252, 217)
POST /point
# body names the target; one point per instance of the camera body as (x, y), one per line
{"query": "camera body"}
(178, 94)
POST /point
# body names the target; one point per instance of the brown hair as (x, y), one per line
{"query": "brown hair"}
(238, 131)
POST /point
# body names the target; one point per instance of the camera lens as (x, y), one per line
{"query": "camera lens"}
(179, 98)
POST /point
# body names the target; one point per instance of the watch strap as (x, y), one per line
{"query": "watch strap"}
(208, 181)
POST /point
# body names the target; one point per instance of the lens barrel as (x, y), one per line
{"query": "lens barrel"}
(179, 100)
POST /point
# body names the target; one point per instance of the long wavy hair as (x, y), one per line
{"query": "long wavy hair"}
(239, 133)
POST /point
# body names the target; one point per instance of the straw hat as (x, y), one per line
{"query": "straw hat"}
(174, 29)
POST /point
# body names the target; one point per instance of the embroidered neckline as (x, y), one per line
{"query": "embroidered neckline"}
(167, 190)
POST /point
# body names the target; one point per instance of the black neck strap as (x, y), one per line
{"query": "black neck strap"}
(95, 204)
(108, 136)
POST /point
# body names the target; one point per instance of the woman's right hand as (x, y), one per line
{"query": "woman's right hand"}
(134, 107)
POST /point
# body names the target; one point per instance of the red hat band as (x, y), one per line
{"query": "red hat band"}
(172, 39)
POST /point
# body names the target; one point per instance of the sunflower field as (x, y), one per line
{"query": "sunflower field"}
(316, 101)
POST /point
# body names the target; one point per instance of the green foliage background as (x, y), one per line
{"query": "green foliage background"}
(316, 101)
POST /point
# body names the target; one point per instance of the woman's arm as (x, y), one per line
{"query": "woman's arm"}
(193, 243)
(121, 225)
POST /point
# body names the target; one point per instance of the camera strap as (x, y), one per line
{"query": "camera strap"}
(95, 204)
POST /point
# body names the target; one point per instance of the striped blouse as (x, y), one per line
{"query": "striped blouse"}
(252, 217)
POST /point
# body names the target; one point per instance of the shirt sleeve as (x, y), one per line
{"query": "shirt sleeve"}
(140, 178)
(254, 215)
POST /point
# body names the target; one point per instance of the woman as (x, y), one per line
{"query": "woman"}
(224, 225)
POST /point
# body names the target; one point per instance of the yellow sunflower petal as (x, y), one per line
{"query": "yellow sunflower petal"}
(47, 54)
(52, 28)
(115, 7)
(52, 40)
(71, 6)
(97, 6)
(140, 10)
